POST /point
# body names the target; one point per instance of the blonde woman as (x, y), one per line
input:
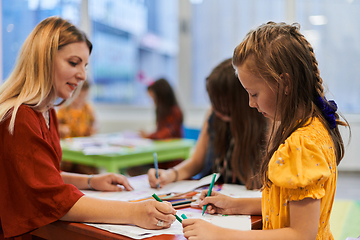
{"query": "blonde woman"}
(34, 192)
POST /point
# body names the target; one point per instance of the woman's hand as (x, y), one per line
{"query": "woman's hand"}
(151, 214)
(165, 177)
(217, 203)
(201, 229)
(110, 182)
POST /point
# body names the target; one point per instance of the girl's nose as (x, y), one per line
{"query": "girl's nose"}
(252, 103)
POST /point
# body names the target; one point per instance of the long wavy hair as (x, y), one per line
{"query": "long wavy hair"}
(247, 125)
(32, 80)
(165, 98)
(279, 54)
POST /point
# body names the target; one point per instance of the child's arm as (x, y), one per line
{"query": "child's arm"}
(145, 214)
(185, 169)
(222, 204)
(304, 222)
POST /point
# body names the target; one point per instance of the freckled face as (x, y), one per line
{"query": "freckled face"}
(261, 96)
(70, 68)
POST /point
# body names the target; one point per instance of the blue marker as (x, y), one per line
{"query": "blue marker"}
(156, 168)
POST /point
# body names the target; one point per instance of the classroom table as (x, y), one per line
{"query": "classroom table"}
(60, 230)
(126, 157)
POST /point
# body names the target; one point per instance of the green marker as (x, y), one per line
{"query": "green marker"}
(183, 216)
(159, 200)
(209, 192)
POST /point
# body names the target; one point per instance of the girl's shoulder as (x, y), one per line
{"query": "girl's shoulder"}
(306, 157)
(313, 131)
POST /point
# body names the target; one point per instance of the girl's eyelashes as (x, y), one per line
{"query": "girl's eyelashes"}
(253, 95)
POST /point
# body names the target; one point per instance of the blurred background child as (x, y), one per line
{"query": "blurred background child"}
(169, 121)
(169, 116)
(77, 120)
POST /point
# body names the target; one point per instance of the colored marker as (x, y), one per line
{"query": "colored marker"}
(181, 203)
(183, 216)
(159, 200)
(209, 192)
(156, 168)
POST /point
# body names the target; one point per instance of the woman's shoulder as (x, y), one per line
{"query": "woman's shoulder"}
(26, 112)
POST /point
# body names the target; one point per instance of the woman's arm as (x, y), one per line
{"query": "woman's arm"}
(101, 182)
(145, 214)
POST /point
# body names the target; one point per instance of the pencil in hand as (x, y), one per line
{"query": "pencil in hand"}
(209, 192)
(159, 200)
(156, 168)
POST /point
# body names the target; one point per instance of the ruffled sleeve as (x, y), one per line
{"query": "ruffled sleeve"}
(300, 167)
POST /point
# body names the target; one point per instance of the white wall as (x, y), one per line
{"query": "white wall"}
(351, 161)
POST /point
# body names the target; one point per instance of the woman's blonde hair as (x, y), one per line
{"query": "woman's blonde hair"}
(31, 81)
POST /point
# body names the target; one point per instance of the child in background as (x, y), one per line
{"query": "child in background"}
(34, 192)
(231, 139)
(277, 67)
(77, 120)
(169, 117)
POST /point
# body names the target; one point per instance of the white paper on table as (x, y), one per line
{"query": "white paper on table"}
(102, 150)
(142, 189)
(105, 143)
(236, 222)
(237, 191)
(187, 185)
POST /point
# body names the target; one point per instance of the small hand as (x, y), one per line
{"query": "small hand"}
(147, 214)
(216, 203)
(110, 182)
(165, 177)
(201, 229)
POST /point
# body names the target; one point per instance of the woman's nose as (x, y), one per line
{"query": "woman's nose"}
(81, 74)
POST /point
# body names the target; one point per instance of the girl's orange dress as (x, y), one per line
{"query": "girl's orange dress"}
(303, 167)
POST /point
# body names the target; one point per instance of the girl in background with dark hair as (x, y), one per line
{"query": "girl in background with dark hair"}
(231, 139)
(169, 117)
